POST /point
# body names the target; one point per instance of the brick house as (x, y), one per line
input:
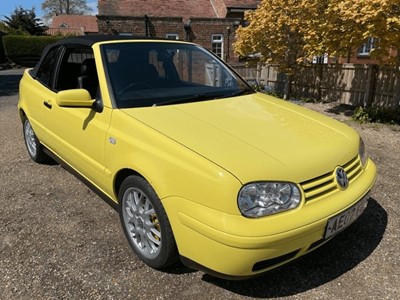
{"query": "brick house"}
(358, 55)
(210, 23)
(362, 54)
(73, 25)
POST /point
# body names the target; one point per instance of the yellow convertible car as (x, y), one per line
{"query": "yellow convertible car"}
(201, 168)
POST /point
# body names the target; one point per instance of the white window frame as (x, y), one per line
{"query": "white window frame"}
(172, 36)
(366, 48)
(217, 40)
(322, 59)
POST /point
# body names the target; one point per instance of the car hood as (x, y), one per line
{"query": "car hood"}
(256, 137)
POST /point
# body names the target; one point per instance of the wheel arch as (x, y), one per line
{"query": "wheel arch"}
(22, 114)
(121, 176)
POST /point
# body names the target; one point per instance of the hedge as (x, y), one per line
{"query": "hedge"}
(26, 50)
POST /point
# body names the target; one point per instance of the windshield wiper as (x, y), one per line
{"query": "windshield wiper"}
(187, 99)
(203, 97)
(242, 92)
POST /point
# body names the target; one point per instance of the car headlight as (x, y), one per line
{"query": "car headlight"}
(363, 152)
(260, 199)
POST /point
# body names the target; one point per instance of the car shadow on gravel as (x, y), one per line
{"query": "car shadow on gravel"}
(321, 266)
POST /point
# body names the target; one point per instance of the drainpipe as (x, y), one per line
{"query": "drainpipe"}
(146, 24)
(187, 27)
(227, 55)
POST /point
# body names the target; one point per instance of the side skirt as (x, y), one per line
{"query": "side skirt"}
(103, 196)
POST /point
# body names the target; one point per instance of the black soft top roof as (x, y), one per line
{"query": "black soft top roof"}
(87, 40)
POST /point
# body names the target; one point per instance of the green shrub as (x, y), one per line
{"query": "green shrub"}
(361, 115)
(26, 50)
(377, 115)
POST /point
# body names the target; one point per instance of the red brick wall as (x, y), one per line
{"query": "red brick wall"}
(361, 59)
(201, 29)
(158, 27)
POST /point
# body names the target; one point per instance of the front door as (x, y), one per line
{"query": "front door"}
(82, 131)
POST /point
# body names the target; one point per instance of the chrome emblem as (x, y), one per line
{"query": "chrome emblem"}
(341, 178)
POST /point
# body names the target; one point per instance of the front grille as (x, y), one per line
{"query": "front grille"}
(325, 184)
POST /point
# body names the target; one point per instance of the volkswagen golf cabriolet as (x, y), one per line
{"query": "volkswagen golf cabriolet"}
(200, 167)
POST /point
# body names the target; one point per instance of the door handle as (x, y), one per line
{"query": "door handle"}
(48, 104)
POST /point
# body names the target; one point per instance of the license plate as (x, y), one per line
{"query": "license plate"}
(344, 219)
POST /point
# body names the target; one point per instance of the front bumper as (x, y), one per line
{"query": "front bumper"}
(235, 246)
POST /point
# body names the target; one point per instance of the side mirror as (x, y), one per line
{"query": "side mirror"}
(74, 98)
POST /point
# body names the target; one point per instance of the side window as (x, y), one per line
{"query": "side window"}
(46, 69)
(77, 66)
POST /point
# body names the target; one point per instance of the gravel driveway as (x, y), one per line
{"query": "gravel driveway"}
(58, 240)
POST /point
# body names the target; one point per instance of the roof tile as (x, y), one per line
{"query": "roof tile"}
(81, 22)
(242, 3)
(158, 8)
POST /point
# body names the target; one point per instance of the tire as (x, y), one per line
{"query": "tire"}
(35, 149)
(145, 223)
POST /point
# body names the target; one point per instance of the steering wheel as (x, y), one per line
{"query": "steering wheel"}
(135, 86)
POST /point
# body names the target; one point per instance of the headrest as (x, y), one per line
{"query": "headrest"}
(88, 67)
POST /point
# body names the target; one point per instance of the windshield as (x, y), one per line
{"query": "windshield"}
(165, 73)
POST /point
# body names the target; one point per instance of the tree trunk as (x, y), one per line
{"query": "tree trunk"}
(396, 102)
(371, 88)
(288, 85)
(318, 81)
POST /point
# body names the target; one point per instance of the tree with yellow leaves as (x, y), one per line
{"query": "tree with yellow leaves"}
(347, 24)
(276, 30)
(289, 32)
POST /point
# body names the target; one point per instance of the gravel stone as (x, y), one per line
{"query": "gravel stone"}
(58, 240)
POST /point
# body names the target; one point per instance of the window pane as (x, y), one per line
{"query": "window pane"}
(71, 67)
(150, 73)
(172, 36)
(366, 48)
(44, 73)
(217, 45)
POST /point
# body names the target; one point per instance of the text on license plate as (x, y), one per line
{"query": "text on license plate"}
(344, 219)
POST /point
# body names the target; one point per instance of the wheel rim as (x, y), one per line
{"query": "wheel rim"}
(30, 139)
(141, 222)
